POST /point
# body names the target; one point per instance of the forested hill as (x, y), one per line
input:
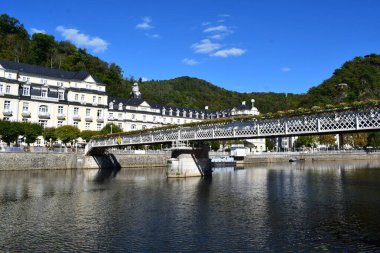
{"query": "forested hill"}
(358, 79)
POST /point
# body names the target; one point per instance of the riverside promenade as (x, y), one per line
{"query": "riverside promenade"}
(149, 158)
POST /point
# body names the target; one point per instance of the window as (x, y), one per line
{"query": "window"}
(7, 105)
(178, 121)
(88, 112)
(8, 89)
(120, 125)
(99, 114)
(171, 120)
(121, 106)
(154, 118)
(60, 110)
(110, 106)
(99, 127)
(76, 97)
(94, 99)
(6, 119)
(76, 124)
(143, 126)
(144, 117)
(25, 120)
(87, 127)
(43, 109)
(9, 75)
(177, 112)
(184, 113)
(43, 122)
(82, 98)
(171, 112)
(110, 116)
(133, 126)
(1, 88)
(25, 91)
(60, 95)
(59, 123)
(60, 84)
(120, 116)
(43, 81)
(164, 120)
(44, 93)
(25, 107)
(99, 100)
(76, 111)
(133, 116)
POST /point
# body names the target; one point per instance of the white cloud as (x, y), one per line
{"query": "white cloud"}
(229, 52)
(83, 40)
(286, 69)
(35, 30)
(145, 24)
(144, 79)
(206, 23)
(219, 28)
(205, 46)
(152, 35)
(190, 62)
(224, 15)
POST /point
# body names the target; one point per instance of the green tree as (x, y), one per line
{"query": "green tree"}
(42, 48)
(327, 139)
(374, 139)
(269, 143)
(31, 131)
(88, 134)
(110, 128)
(67, 133)
(50, 134)
(10, 131)
(305, 141)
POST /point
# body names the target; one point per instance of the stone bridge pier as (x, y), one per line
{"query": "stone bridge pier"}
(189, 162)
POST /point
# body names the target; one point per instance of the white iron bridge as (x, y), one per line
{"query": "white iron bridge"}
(326, 122)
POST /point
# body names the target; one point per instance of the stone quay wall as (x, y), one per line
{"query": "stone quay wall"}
(41, 161)
(309, 157)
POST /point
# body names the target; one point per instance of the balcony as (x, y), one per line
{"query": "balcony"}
(76, 117)
(61, 116)
(51, 99)
(100, 120)
(25, 114)
(44, 115)
(7, 112)
(88, 119)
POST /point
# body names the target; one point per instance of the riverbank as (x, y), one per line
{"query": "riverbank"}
(57, 161)
(317, 156)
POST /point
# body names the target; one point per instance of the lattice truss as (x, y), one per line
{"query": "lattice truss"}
(332, 122)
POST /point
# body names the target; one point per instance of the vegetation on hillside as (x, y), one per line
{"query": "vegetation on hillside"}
(356, 80)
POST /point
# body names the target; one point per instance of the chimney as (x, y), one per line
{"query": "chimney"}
(243, 103)
(206, 107)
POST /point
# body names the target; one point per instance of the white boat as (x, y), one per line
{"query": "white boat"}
(223, 161)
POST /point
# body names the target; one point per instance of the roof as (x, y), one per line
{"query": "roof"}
(44, 71)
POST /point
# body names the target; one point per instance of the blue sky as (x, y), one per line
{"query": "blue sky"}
(241, 45)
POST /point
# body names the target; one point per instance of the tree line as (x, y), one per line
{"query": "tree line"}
(10, 132)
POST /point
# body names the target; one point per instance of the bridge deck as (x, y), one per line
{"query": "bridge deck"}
(366, 119)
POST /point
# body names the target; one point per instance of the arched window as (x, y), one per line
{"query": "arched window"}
(133, 126)
(43, 109)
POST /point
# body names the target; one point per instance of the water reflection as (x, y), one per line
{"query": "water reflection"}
(303, 206)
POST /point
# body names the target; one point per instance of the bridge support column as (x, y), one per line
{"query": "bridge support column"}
(189, 162)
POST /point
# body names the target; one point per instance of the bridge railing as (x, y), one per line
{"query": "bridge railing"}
(319, 123)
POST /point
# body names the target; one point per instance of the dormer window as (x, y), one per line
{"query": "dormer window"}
(184, 113)
(163, 111)
(44, 93)
(190, 114)
(120, 106)
(177, 112)
(111, 105)
(171, 112)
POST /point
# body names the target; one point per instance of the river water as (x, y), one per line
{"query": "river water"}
(274, 208)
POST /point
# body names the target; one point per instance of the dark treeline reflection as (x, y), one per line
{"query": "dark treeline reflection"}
(302, 206)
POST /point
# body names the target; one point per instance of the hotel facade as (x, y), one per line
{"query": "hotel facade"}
(54, 97)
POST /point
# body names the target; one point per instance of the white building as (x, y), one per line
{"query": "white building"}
(54, 97)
